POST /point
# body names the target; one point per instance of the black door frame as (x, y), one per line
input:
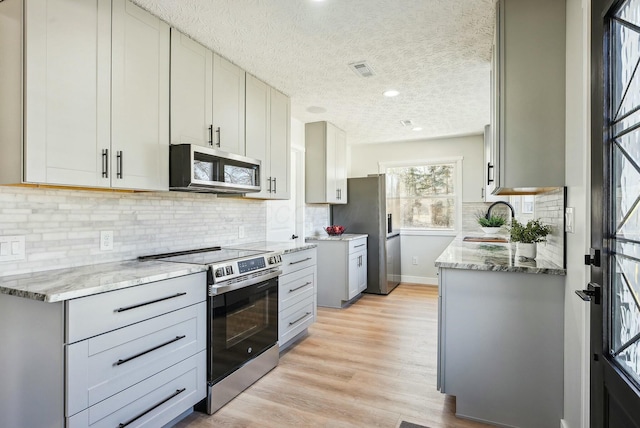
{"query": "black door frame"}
(609, 388)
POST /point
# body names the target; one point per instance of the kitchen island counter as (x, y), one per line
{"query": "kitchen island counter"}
(70, 283)
(489, 256)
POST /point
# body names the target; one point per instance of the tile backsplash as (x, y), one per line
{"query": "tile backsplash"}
(62, 227)
(317, 217)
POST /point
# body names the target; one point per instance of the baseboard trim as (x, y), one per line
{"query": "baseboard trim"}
(424, 280)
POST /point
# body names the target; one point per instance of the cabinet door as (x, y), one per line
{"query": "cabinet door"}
(67, 91)
(228, 105)
(341, 166)
(362, 272)
(140, 99)
(332, 179)
(191, 91)
(257, 131)
(280, 145)
(354, 275)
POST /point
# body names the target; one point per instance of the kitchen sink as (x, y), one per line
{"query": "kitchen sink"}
(494, 239)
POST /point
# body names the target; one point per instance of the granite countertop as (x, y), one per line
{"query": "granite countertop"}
(498, 257)
(343, 237)
(284, 247)
(70, 283)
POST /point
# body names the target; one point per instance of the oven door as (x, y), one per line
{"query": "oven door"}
(243, 324)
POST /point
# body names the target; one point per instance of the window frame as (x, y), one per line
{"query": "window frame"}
(457, 161)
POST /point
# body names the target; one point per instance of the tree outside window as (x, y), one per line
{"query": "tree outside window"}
(423, 196)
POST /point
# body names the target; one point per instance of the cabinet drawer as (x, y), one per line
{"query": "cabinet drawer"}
(93, 315)
(153, 402)
(359, 244)
(296, 286)
(299, 260)
(295, 319)
(104, 365)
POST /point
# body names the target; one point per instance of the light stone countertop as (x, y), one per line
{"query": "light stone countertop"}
(497, 257)
(343, 237)
(70, 283)
(284, 247)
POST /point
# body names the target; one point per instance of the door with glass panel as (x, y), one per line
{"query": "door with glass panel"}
(615, 276)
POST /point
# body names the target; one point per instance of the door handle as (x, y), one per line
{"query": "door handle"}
(294, 236)
(593, 291)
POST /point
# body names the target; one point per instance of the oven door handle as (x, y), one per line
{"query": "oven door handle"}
(215, 290)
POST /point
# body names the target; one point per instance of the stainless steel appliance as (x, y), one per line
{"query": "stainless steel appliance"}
(242, 308)
(194, 168)
(366, 212)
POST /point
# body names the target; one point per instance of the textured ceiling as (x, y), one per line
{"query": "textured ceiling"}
(435, 52)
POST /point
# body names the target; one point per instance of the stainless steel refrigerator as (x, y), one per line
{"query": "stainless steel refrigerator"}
(366, 212)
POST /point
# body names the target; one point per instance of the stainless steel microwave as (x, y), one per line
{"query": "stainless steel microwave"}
(195, 168)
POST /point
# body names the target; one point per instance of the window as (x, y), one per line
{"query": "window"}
(425, 195)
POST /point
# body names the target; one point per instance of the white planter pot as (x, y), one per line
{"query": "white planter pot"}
(491, 230)
(526, 250)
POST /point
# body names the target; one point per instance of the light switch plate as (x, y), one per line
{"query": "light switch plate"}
(11, 248)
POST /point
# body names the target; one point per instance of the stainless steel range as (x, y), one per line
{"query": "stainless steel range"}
(242, 309)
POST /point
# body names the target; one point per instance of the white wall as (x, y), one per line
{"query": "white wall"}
(364, 161)
(577, 172)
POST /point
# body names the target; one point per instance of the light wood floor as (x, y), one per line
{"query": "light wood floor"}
(372, 364)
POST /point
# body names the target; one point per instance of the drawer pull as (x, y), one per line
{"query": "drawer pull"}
(291, 290)
(299, 319)
(127, 308)
(361, 245)
(133, 357)
(300, 261)
(130, 421)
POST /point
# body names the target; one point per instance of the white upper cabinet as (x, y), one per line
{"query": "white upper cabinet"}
(325, 164)
(207, 97)
(140, 99)
(529, 95)
(66, 91)
(228, 105)
(95, 82)
(191, 91)
(268, 123)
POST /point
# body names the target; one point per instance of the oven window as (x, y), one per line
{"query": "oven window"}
(247, 321)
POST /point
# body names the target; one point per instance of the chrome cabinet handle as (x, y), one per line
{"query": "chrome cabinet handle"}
(155, 406)
(269, 188)
(219, 132)
(119, 165)
(133, 357)
(361, 245)
(210, 135)
(300, 261)
(275, 185)
(291, 290)
(128, 308)
(105, 163)
(299, 319)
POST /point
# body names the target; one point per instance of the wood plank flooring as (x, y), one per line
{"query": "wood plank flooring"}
(372, 364)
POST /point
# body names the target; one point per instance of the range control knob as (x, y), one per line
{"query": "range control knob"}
(229, 270)
(219, 272)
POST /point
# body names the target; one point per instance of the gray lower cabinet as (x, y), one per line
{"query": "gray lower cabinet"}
(500, 346)
(134, 356)
(344, 270)
(297, 295)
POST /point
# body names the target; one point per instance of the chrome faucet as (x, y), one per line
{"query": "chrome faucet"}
(513, 212)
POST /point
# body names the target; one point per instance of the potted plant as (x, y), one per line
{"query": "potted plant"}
(527, 236)
(491, 224)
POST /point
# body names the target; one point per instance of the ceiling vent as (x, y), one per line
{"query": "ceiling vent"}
(406, 123)
(362, 69)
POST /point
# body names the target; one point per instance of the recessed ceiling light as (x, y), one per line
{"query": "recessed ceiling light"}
(316, 109)
(417, 128)
(391, 93)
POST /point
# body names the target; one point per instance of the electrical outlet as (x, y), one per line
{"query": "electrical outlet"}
(106, 240)
(414, 260)
(11, 248)
(240, 231)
